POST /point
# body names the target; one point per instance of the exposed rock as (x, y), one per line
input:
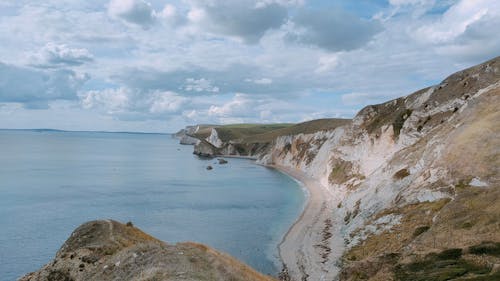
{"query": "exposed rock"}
(188, 140)
(205, 149)
(108, 250)
(209, 167)
(222, 161)
(214, 139)
(185, 135)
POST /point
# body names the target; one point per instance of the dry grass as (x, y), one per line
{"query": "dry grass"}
(474, 148)
(414, 216)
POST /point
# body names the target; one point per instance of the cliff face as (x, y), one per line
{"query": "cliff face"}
(109, 250)
(407, 178)
(411, 176)
(185, 135)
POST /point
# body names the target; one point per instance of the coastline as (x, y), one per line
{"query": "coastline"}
(303, 247)
(304, 251)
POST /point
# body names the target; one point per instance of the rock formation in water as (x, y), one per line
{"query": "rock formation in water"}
(108, 250)
(412, 184)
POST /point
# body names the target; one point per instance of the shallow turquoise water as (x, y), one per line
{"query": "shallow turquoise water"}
(51, 182)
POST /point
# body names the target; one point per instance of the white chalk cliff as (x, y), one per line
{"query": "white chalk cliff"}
(407, 164)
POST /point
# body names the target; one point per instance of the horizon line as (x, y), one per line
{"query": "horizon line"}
(82, 131)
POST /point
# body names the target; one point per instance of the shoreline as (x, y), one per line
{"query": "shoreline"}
(302, 247)
(304, 252)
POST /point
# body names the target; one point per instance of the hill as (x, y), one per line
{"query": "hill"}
(109, 250)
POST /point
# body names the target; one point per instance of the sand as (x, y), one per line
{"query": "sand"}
(313, 244)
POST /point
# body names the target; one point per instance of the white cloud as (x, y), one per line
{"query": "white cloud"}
(264, 3)
(261, 81)
(111, 100)
(137, 12)
(60, 55)
(457, 19)
(362, 99)
(167, 102)
(240, 106)
(128, 103)
(196, 15)
(410, 2)
(327, 63)
(200, 85)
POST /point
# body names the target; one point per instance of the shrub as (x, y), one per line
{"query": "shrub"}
(486, 248)
(401, 174)
(419, 230)
(450, 254)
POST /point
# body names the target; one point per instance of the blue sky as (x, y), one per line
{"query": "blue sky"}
(158, 65)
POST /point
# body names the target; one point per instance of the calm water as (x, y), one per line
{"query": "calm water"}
(51, 182)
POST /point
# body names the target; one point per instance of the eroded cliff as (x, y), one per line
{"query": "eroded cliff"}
(405, 181)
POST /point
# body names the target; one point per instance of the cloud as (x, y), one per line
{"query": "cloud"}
(457, 19)
(261, 81)
(35, 88)
(476, 42)
(110, 100)
(138, 12)
(293, 59)
(327, 63)
(291, 3)
(133, 104)
(229, 80)
(200, 85)
(60, 55)
(171, 15)
(464, 31)
(240, 106)
(332, 30)
(244, 19)
(410, 2)
(362, 99)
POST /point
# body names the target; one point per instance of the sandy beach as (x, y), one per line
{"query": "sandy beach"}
(312, 245)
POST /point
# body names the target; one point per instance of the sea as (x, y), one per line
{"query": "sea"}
(53, 181)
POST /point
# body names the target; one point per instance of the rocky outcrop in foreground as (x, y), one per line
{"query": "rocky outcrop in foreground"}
(109, 250)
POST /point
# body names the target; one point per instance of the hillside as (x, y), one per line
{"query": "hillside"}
(108, 250)
(408, 190)
(308, 127)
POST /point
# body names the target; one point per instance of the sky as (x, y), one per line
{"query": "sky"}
(159, 65)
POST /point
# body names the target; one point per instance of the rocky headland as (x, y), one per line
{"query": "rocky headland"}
(109, 250)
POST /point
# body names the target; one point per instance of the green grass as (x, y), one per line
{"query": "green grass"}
(308, 127)
(265, 133)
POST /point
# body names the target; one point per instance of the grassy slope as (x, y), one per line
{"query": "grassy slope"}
(265, 133)
(308, 127)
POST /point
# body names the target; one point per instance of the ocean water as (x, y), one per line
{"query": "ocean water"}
(51, 182)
